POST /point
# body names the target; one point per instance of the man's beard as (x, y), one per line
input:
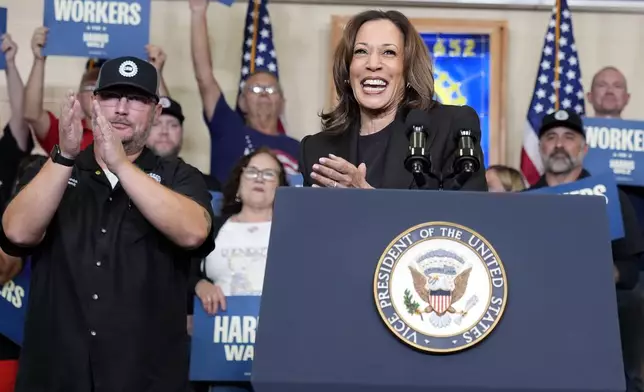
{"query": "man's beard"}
(560, 162)
(134, 143)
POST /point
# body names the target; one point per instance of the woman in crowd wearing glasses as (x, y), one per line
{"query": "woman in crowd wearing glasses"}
(236, 266)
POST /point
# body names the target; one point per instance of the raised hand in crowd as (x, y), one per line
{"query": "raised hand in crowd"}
(38, 41)
(198, 5)
(9, 48)
(16, 91)
(211, 296)
(157, 57)
(108, 144)
(71, 127)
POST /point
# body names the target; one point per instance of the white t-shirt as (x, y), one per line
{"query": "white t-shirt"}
(238, 262)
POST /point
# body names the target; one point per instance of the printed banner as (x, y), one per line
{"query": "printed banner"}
(3, 30)
(97, 28)
(600, 185)
(13, 305)
(462, 64)
(616, 146)
(223, 344)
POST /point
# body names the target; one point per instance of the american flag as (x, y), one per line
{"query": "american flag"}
(258, 50)
(558, 86)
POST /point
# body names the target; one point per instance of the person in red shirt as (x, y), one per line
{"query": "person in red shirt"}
(43, 122)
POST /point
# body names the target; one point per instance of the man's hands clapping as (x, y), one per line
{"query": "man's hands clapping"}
(70, 127)
(108, 145)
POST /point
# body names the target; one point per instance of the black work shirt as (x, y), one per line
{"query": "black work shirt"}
(627, 250)
(107, 305)
(212, 183)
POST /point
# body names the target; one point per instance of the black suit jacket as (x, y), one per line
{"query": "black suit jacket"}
(445, 121)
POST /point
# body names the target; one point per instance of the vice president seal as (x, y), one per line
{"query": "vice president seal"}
(440, 287)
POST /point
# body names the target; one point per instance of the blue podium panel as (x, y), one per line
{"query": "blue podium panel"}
(321, 329)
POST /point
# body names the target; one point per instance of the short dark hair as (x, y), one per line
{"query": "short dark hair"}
(230, 205)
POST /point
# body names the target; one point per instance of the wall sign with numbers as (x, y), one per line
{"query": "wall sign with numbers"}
(469, 59)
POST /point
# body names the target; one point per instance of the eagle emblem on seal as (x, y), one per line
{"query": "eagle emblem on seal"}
(440, 279)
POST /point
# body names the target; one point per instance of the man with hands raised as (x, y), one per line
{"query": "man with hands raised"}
(111, 230)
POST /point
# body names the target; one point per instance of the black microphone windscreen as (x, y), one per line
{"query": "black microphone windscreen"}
(417, 117)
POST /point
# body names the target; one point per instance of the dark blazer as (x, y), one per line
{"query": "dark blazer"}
(445, 121)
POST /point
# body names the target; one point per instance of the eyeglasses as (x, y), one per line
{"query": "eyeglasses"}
(135, 101)
(253, 173)
(257, 89)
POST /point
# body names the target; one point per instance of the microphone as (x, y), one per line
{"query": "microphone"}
(418, 160)
(466, 160)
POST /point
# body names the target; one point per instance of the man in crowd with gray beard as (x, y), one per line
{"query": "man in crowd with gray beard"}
(562, 144)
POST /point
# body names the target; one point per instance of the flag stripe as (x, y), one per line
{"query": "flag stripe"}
(557, 86)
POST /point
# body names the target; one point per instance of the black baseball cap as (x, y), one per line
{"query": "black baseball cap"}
(562, 118)
(128, 71)
(171, 107)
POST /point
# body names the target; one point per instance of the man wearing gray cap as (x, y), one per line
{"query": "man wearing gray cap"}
(111, 231)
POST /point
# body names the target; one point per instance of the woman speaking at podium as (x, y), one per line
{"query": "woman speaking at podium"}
(386, 130)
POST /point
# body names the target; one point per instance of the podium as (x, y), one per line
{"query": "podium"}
(331, 321)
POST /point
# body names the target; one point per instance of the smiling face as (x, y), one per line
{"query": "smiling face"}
(376, 72)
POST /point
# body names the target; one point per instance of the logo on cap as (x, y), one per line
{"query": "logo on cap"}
(165, 102)
(128, 69)
(561, 115)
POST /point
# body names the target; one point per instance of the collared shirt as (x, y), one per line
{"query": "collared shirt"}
(107, 305)
(627, 251)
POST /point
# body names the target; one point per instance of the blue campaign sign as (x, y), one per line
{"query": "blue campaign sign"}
(226, 2)
(97, 28)
(13, 305)
(223, 345)
(617, 146)
(600, 185)
(3, 30)
(462, 65)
